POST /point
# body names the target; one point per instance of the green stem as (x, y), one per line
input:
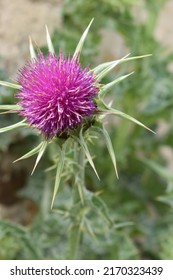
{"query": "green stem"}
(75, 233)
(74, 242)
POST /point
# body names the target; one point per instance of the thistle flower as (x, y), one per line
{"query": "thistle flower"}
(57, 96)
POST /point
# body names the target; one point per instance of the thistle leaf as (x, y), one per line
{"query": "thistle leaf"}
(60, 166)
(13, 126)
(20, 233)
(49, 42)
(108, 86)
(40, 154)
(81, 42)
(7, 84)
(31, 153)
(87, 153)
(31, 49)
(109, 147)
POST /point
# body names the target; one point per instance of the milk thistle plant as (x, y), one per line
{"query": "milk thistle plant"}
(65, 103)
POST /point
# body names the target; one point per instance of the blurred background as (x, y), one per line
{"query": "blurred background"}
(133, 217)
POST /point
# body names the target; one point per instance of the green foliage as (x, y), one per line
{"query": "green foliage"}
(129, 218)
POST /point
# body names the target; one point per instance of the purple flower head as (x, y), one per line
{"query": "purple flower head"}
(56, 93)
